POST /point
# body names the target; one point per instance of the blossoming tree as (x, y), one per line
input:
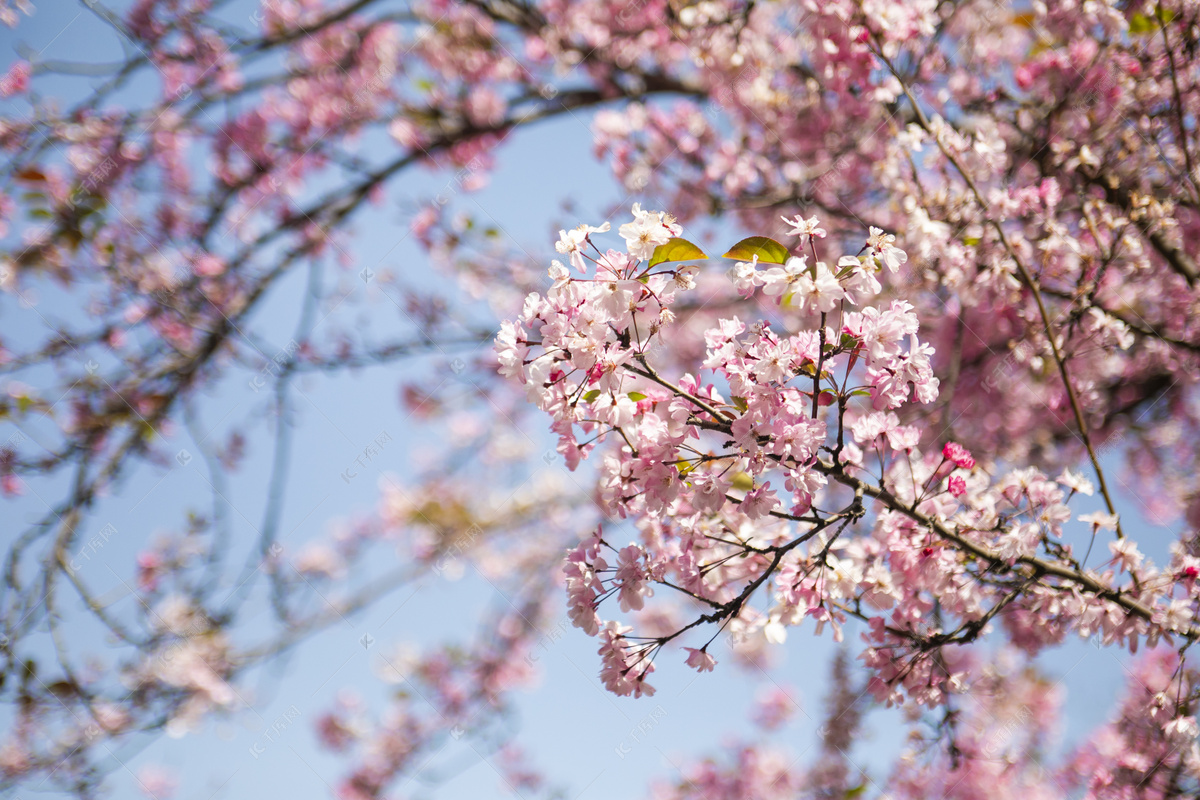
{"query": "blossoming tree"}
(901, 413)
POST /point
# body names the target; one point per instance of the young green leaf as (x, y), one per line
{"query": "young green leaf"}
(768, 250)
(676, 250)
(742, 481)
(1142, 23)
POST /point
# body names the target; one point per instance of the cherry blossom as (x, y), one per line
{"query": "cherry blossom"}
(931, 426)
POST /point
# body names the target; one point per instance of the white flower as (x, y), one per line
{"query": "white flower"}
(648, 230)
(320, 560)
(1101, 520)
(685, 277)
(1182, 730)
(1076, 482)
(805, 228)
(559, 273)
(1176, 616)
(776, 280)
(774, 632)
(571, 242)
(860, 283)
(884, 246)
(745, 276)
(1126, 553)
(821, 292)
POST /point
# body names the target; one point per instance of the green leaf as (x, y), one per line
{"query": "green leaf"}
(742, 482)
(740, 403)
(846, 270)
(1142, 23)
(1146, 23)
(592, 395)
(636, 396)
(676, 250)
(971, 241)
(768, 250)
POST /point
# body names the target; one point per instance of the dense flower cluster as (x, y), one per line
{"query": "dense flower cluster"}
(758, 472)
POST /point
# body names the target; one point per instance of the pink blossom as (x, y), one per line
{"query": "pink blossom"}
(16, 80)
(959, 455)
(759, 502)
(157, 783)
(774, 707)
(700, 660)
(903, 437)
(1125, 552)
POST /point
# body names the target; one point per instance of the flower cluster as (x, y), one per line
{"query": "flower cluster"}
(757, 471)
(583, 353)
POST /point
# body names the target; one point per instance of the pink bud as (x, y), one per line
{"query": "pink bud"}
(959, 455)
